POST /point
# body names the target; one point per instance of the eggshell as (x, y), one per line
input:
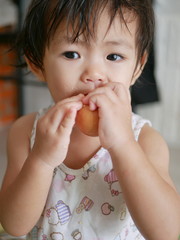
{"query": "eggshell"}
(87, 121)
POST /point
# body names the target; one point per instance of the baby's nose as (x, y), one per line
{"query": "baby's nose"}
(97, 81)
(94, 76)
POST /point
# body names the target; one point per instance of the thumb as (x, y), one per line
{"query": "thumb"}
(120, 90)
(68, 121)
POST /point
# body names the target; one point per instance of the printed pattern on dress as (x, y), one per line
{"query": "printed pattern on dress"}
(87, 204)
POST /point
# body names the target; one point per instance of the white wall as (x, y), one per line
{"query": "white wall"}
(165, 115)
(35, 97)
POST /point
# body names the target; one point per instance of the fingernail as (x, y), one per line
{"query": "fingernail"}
(85, 100)
(92, 106)
(81, 95)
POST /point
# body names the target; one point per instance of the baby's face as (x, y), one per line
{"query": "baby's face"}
(80, 67)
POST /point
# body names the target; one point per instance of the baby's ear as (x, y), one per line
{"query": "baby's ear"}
(139, 67)
(35, 70)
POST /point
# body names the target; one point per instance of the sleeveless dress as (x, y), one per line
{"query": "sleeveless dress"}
(88, 203)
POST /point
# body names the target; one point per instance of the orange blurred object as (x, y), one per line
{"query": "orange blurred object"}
(8, 102)
(8, 88)
(7, 60)
(88, 121)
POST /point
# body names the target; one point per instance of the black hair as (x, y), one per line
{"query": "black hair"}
(44, 17)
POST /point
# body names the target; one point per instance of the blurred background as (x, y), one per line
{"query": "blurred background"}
(156, 97)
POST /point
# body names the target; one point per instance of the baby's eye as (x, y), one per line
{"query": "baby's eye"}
(71, 55)
(114, 57)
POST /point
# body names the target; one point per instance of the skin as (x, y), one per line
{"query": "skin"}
(98, 73)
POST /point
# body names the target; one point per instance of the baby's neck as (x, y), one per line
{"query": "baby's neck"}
(81, 149)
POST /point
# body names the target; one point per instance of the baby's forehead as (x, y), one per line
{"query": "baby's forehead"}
(72, 32)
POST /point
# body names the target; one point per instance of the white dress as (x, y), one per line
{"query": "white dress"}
(88, 203)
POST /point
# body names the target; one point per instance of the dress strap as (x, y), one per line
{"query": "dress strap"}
(39, 114)
(137, 124)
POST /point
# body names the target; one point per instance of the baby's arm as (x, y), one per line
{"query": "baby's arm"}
(26, 183)
(141, 167)
(29, 173)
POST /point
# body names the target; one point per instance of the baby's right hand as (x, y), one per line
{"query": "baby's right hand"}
(54, 130)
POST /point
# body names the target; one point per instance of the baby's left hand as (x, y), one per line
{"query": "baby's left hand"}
(114, 106)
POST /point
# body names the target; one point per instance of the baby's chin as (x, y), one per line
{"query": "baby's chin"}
(87, 121)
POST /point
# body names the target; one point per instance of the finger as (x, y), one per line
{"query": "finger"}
(101, 101)
(63, 110)
(55, 107)
(55, 115)
(75, 98)
(99, 91)
(120, 90)
(68, 121)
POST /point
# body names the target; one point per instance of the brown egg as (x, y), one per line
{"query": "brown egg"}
(87, 121)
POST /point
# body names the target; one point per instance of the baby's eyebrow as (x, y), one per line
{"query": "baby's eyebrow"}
(120, 42)
(117, 43)
(62, 39)
(68, 40)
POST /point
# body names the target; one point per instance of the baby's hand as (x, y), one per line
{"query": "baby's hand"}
(54, 130)
(114, 107)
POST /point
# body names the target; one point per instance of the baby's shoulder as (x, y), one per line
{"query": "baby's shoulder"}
(156, 149)
(18, 145)
(154, 145)
(148, 137)
(151, 137)
(22, 127)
